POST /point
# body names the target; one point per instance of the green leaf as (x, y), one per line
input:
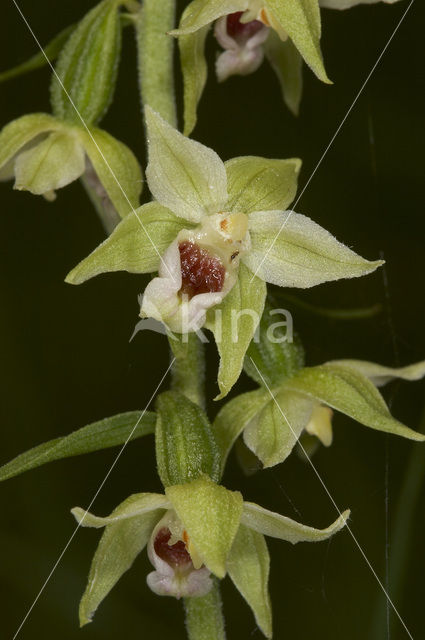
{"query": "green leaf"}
(199, 13)
(119, 546)
(183, 175)
(300, 20)
(290, 250)
(210, 514)
(185, 443)
(116, 167)
(133, 507)
(261, 184)
(109, 432)
(51, 164)
(233, 323)
(136, 244)
(274, 525)
(248, 566)
(39, 60)
(21, 132)
(379, 374)
(234, 416)
(88, 66)
(195, 71)
(274, 354)
(274, 431)
(288, 66)
(155, 56)
(350, 392)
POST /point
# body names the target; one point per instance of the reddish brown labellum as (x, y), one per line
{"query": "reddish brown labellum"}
(176, 554)
(201, 271)
(240, 31)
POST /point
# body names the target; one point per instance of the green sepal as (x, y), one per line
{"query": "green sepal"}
(39, 60)
(109, 432)
(300, 20)
(185, 443)
(274, 431)
(116, 167)
(350, 392)
(288, 67)
(211, 515)
(195, 70)
(88, 66)
(120, 544)
(199, 13)
(261, 184)
(248, 566)
(233, 323)
(234, 416)
(19, 133)
(271, 357)
(136, 244)
(380, 375)
(275, 525)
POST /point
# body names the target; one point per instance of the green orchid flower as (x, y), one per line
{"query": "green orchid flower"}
(295, 401)
(195, 531)
(216, 233)
(44, 154)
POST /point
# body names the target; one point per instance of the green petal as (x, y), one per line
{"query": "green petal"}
(288, 66)
(182, 174)
(136, 244)
(103, 434)
(379, 374)
(210, 514)
(120, 544)
(233, 323)
(350, 392)
(185, 443)
(248, 566)
(290, 250)
(88, 66)
(202, 12)
(116, 167)
(234, 416)
(300, 19)
(51, 164)
(276, 526)
(133, 507)
(261, 184)
(195, 71)
(15, 135)
(274, 431)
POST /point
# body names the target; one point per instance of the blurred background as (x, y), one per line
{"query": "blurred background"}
(67, 359)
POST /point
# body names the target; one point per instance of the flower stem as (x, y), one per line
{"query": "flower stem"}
(155, 57)
(204, 618)
(188, 371)
(99, 198)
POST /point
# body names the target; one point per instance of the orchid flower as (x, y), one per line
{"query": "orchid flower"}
(196, 531)
(216, 233)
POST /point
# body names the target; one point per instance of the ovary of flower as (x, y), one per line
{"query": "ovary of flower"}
(197, 271)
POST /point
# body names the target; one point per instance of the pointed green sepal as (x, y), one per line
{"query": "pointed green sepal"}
(248, 566)
(185, 443)
(287, 64)
(109, 432)
(210, 514)
(381, 375)
(274, 525)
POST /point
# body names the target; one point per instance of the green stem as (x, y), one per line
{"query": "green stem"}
(401, 535)
(204, 617)
(99, 198)
(188, 371)
(156, 57)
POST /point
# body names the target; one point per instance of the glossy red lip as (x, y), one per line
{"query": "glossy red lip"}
(201, 271)
(240, 31)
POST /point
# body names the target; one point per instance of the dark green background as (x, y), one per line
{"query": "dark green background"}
(67, 360)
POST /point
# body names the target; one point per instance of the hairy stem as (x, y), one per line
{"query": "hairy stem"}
(100, 200)
(204, 618)
(188, 371)
(155, 57)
